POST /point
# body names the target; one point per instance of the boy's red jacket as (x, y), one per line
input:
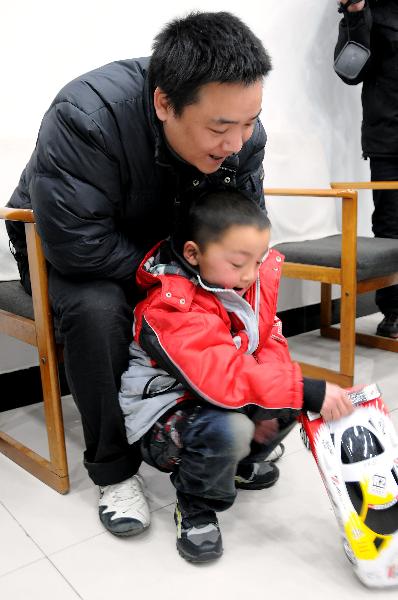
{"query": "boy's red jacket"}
(224, 349)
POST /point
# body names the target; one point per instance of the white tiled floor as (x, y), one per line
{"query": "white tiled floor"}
(283, 541)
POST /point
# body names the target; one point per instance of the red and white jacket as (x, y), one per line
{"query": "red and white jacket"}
(196, 341)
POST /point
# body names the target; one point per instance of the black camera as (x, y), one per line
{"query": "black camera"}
(351, 60)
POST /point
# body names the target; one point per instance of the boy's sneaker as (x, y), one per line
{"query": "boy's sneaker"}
(388, 327)
(198, 537)
(256, 476)
(276, 453)
(123, 508)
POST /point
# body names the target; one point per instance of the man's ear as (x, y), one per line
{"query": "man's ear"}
(162, 104)
(191, 253)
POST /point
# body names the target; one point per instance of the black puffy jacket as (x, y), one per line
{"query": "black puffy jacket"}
(376, 28)
(101, 181)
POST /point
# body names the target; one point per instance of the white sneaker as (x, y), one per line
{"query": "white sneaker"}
(276, 453)
(123, 508)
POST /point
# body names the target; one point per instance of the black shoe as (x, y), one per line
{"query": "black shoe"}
(389, 326)
(198, 537)
(256, 476)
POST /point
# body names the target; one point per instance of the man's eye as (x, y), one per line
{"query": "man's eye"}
(217, 131)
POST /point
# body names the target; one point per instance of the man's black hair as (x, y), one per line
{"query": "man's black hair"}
(209, 217)
(201, 48)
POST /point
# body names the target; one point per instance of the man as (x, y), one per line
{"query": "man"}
(374, 24)
(118, 151)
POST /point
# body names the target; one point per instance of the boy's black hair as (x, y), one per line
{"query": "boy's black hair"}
(201, 48)
(210, 216)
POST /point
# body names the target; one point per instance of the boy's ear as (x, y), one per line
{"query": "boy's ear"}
(191, 252)
(162, 104)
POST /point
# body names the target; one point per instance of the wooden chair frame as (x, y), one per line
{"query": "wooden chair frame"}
(40, 333)
(346, 278)
(367, 285)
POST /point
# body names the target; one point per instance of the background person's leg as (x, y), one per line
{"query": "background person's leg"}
(385, 225)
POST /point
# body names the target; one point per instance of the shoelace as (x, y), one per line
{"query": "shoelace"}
(127, 495)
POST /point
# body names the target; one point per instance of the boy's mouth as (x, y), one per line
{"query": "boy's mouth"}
(239, 290)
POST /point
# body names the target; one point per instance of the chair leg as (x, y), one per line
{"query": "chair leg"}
(347, 334)
(326, 307)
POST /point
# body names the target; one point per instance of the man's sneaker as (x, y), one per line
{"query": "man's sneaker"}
(389, 326)
(123, 508)
(276, 453)
(256, 476)
(198, 537)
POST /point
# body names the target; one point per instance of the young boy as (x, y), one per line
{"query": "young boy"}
(211, 388)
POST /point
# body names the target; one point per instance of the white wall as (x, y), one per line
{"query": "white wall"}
(312, 118)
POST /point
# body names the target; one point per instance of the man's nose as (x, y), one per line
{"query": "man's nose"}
(233, 142)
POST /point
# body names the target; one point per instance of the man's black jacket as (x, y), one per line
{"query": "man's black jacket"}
(101, 181)
(376, 27)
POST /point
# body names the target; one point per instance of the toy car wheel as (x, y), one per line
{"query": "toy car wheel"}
(304, 437)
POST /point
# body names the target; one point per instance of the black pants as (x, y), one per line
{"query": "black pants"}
(94, 322)
(385, 221)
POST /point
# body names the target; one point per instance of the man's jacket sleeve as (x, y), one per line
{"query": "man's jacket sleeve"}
(357, 28)
(75, 191)
(198, 350)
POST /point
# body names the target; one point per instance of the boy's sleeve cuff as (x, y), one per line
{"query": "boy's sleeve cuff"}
(314, 394)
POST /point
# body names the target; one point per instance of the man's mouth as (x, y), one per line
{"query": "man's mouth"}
(214, 157)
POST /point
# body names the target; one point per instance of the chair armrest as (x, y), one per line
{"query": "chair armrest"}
(365, 185)
(327, 193)
(17, 214)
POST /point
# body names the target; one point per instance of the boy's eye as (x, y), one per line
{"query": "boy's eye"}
(237, 266)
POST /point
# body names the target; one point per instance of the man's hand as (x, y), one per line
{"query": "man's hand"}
(354, 7)
(336, 404)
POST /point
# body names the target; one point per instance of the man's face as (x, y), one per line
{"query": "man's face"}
(215, 126)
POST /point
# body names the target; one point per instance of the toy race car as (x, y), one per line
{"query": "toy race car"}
(357, 457)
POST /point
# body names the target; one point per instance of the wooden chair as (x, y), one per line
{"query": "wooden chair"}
(30, 320)
(356, 264)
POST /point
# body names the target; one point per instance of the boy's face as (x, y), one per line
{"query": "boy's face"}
(215, 126)
(234, 260)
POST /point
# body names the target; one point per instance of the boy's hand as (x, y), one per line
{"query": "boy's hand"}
(336, 404)
(354, 7)
(265, 431)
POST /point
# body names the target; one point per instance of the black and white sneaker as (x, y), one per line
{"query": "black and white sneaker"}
(257, 475)
(198, 537)
(123, 508)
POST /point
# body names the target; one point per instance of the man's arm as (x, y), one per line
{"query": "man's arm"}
(76, 193)
(356, 26)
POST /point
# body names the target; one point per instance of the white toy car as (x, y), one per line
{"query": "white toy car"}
(357, 457)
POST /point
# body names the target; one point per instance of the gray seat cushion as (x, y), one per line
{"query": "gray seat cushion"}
(375, 256)
(14, 299)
